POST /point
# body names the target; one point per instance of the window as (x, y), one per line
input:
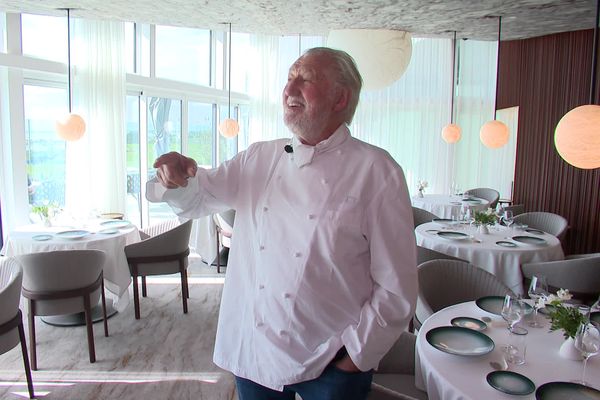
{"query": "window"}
(201, 128)
(164, 135)
(45, 151)
(132, 132)
(183, 54)
(45, 37)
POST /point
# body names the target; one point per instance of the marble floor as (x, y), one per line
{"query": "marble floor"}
(164, 355)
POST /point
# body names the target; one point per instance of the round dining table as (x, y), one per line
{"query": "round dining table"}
(448, 376)
(500, 252)
(110, 236)
(447, 206)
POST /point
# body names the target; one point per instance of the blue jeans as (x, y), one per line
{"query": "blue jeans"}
(332, 384)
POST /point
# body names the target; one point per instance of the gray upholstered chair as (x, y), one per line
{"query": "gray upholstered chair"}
(581, 275)
(395, 376)
(516, 209)
(11, 320)
(224, 226)
(421, 216)
(551, 223)
(425, 254)
(165, 253)
(63, 282)
(446, 282)
(489, 194)
(158, 228)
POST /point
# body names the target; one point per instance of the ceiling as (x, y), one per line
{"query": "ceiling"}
(471, 19)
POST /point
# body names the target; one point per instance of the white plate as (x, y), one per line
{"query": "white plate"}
(468, 322)
(42, 238)
(75, 234)
(115, 224)
(451, 235)
(505, 243)
(108, 231)
(510, 382)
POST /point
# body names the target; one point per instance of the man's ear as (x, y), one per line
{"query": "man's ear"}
(343, 97)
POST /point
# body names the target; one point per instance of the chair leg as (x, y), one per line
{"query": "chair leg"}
(104, 309)
(218, 255)
(31, 317)
(89, 327)
(136, 297)
(26, 360)
(185, 292)
(144, 293)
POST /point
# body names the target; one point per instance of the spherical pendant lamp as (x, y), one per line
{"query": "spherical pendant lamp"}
(71, 127)
(229, 128)
(577, 135)
(451, 133)
(381, 55)
(494, 134)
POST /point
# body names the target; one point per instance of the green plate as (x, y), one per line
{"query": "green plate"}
(506, 243)
(493, 304)
(459, 341)
(510, 382)
(75, 234)
(531, 240)
(566, 390)
(451, 235)
(468, 322)
(115, 224)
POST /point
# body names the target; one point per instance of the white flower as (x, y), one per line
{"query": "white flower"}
(422, 184)
(563, 294)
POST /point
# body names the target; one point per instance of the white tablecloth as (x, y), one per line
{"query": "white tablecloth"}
(449, 377)
(116, 270)
(501, 261)
(445, 206)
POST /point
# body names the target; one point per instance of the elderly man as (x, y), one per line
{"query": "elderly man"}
(322, 273)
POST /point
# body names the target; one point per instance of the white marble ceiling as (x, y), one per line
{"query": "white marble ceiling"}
(471, 19)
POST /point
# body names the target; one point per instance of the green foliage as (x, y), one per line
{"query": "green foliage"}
(566, 318)
(42, 210)
(485, 217)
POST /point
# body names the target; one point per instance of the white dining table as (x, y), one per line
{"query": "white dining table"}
(447, 206)
(27, 240)
(456, 377)
(485, 251)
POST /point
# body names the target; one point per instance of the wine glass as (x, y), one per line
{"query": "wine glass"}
(587, 341)
(513, 310)
(538, 288)
(508, 218)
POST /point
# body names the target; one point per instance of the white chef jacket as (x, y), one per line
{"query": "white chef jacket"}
(323, 255)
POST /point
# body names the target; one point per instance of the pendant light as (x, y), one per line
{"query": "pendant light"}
(451, 132)
(229, 127)
(494, 134)
(72, 126)
(577, 135)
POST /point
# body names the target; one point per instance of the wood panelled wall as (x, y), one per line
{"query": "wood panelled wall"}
(547, 77)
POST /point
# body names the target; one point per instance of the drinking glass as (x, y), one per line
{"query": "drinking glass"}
(507, 217)
(513, 310)
(587, 341)
(538, 288)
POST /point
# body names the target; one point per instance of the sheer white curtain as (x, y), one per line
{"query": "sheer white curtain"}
(95, 178)
(406, 118)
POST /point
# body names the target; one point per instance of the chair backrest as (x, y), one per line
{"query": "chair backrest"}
(174, 241)
(446, 282)
(491, 195)
(551, 223)
(421, 216)
(159, 227)
(59, 271)
(580, 275)
(11, 276)
(515, 208)
(425, 254)
(400, 359)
